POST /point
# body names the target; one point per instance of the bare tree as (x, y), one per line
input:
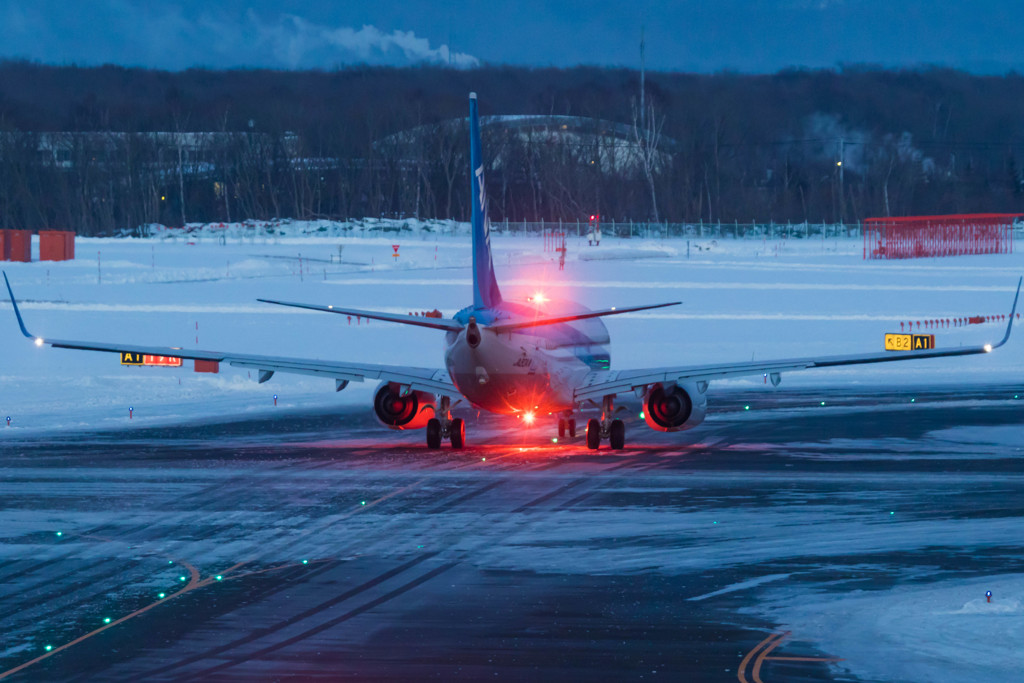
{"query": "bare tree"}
(648, 137)
(451, 153)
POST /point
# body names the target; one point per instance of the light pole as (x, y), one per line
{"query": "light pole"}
(842, 194)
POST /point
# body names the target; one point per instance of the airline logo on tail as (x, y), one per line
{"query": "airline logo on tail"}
(480, 182)
(483, 207)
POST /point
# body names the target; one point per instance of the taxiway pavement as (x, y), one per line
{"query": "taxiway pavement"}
(325, 546)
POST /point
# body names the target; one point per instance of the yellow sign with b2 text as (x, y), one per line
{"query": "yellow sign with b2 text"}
(909, 342)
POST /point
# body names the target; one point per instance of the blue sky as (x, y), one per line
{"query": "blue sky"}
(755, 36)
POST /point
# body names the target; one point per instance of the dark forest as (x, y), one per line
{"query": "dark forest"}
(103, 149)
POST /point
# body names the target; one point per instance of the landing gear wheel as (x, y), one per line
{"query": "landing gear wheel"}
(572, 427)
(593, 434)
(433, 433)
(561, 428)
(457, 432)
(617, 435)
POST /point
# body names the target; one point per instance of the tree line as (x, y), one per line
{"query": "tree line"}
(102, 149)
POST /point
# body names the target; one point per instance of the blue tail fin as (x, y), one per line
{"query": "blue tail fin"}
(485, 286)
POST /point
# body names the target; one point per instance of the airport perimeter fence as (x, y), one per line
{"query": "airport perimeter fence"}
(734, 230)
(648, 230)
(272, 229)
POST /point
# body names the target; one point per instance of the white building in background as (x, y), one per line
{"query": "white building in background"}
(611, 147)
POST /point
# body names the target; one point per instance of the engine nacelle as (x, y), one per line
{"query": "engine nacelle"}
(674, 407)
(411, 411)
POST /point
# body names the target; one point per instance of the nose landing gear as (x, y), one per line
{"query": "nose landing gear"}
(605, 428)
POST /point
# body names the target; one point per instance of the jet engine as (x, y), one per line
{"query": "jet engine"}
(674, 407)
(411, 411)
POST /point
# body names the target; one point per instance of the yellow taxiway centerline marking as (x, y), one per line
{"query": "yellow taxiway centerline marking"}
(756, 673)
(761, 654)
(804, 659)
(741, 674)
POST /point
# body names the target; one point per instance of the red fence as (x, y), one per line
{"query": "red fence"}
(554, 241)
(929, 236)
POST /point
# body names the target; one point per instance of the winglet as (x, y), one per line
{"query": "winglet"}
(21, 323)
(1013, 312)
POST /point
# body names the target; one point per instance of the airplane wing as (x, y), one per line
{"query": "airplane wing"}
(601, 383)
(416, 379)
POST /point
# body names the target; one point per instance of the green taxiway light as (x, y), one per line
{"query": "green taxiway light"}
(822, 403)
(60, 533)
(746, 407)
(305, 562)
(362, 502)
(170, 561)
(641, 414)
(106, 620)
(161, 595)
(181, 578)
(554, 440)
(219, 577)
(892, 513)
(483, 459)
(48, 648)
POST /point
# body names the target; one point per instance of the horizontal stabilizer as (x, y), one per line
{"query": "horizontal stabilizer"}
(421, 321)
(509, 327)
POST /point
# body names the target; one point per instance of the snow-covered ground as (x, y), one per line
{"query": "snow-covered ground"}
(941, 631)
(742, 299)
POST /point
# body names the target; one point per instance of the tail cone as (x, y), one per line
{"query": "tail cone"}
(472, 333)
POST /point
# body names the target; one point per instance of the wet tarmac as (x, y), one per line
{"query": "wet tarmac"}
(323, 546)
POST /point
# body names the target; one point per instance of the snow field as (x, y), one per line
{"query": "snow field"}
(742, 299)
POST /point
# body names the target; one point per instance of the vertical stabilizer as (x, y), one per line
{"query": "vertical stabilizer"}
(485, 286)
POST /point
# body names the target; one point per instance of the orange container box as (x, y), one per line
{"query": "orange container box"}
(18, 245)
(56, 245)
(207, 366)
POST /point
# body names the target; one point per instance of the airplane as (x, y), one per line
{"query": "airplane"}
(520, 358)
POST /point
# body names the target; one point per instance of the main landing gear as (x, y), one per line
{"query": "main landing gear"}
(445, 427)
(566, 425)
(613, 430)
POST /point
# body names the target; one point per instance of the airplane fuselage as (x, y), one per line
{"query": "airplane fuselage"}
(528, 370)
